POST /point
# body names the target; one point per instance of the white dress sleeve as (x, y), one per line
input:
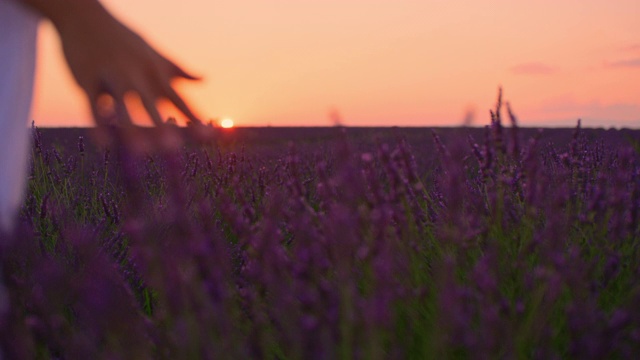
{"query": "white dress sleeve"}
(18, 32)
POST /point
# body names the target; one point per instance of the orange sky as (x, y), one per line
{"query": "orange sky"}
(393, 62)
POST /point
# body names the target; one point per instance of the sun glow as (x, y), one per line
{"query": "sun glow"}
(226, 123)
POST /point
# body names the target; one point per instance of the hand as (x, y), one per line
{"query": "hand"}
(110, 61)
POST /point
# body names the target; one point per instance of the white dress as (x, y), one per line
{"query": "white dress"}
(18, 33)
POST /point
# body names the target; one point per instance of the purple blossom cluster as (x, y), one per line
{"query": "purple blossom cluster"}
(497, 247)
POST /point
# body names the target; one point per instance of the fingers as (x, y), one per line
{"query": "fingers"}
(108, 109)
(173, 96)
(97, 115)
(122, 112)
(149, 98)
(108, 104)
(102, 109)
(177, 71)
(150, 106)
(169, 93)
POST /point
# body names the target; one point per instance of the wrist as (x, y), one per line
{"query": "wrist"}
(64, 14)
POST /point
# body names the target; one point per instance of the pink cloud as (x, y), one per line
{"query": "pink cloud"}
(627, 63)
(632, 48)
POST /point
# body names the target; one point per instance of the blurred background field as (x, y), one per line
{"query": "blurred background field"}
(418, 137)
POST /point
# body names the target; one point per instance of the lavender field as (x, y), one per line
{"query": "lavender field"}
(334, 243)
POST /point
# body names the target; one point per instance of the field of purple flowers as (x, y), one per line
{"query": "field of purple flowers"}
(501, 246)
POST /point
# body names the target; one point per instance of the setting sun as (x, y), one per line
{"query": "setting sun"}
(226, 123)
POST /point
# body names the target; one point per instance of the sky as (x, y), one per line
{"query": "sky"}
(380, 63)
